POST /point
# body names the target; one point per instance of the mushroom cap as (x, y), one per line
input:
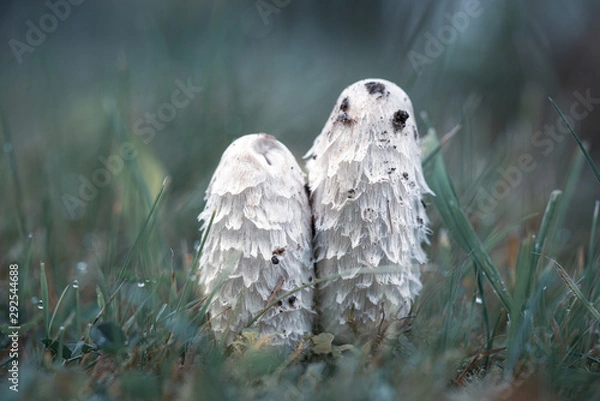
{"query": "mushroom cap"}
(259, 244)
(366, 184)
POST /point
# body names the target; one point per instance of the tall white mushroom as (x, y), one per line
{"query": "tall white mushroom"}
(263, 215)
(366, 185)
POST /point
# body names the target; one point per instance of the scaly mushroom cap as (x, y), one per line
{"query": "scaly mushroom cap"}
(263, 216)
(366, 185)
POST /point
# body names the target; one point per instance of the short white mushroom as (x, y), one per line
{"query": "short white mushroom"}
(366, 184)
(262, 214)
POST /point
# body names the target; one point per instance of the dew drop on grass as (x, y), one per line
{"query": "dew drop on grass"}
(81, 267)
(40, 304)
(478, 301)
(141, 284)
(75, 284)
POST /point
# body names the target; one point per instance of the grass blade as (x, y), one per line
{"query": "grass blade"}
(581, 145)
(14, 171)
(195, 262)
(77, 309)
(547, 221)
(127, 324)
(137, 241)
(519, 324)
(204, 237)
(570, 189)
(521, 321)
(58, 303)
(26, 289)
(380, 270)
(45, 298)
(589, 273)
(485, 316)
(594, 230)
(233, 260)
(459, 227)
(576, 291)
(431, 150)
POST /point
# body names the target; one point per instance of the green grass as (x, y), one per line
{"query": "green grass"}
(474, 326)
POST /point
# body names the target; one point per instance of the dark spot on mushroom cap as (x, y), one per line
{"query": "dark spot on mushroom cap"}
(344, 119)
(274, 260)
(279, 303)
(351, 193)
(420, 220)
(292, 300)
(280, 250)
(310, 279)
(405, 175)
(375, 87)
(399, 120)
(382, 136)
(424, 205)
(345, 104)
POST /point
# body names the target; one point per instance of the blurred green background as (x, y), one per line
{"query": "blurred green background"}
(73, 95)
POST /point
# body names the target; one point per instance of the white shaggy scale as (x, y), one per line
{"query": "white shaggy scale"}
(262, 214)
(366, 186)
